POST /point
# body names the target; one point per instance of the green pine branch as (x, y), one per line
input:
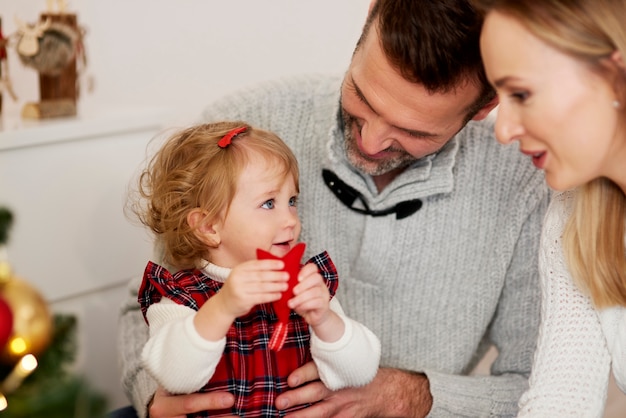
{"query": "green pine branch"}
(6, 220)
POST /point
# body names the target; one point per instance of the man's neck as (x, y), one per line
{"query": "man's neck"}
(383, 180)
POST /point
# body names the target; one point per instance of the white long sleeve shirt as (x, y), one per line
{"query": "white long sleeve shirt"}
(577, 343)
(182, 361)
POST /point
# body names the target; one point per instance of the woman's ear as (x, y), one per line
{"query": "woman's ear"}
(205, 228)
(617, 58)
(617, 71)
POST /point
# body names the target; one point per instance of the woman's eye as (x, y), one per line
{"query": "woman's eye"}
(520, 96)
(268, 205)
(293, 201)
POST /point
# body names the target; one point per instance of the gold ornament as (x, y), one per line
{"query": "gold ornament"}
(32, 321)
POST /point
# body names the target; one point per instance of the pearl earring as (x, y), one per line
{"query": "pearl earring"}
(616, 104)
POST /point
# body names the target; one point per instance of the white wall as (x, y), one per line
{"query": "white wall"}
(185, 53)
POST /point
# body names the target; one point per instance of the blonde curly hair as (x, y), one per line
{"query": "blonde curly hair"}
(191, 171)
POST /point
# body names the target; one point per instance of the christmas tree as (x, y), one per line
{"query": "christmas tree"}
(35, 380)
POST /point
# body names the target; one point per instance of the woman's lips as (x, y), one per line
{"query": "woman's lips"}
(538, 158)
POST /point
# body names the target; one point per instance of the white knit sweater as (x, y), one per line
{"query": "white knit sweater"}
(577, 343)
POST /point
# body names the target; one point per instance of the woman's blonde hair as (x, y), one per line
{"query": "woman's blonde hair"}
(590, 31)
(191, 171)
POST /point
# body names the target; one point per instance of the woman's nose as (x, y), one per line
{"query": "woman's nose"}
(508, 127)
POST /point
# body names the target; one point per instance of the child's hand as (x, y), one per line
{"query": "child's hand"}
(249, 284)
(252, 283)
(311, 296)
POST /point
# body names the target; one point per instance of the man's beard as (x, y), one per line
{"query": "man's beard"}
(371, 166)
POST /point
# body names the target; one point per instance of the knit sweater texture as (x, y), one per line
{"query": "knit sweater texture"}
(438, 287)
(577, 343)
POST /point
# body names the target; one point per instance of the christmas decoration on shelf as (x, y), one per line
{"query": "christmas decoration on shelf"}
(5, 81)
(54, 47)
(37, 348)
(47, 47)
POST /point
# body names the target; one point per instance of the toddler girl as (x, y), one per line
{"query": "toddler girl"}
(217, 196)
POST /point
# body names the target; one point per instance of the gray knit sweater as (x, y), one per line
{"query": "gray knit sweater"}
(436, 287)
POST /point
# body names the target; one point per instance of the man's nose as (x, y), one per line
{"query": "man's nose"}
(376, 136)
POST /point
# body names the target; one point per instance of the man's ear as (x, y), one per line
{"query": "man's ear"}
(486, 109)
(205, 229)
(371, 6)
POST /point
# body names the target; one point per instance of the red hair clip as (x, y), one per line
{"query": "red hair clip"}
(227, 139)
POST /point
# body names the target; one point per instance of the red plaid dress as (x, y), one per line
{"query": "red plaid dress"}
(248, 368)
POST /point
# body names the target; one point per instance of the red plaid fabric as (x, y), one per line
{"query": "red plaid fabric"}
(248, 368)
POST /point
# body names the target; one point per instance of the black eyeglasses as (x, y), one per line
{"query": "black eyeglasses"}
(348, 195)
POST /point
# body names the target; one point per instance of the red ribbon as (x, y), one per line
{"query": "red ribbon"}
(292, 266)
(227, 139)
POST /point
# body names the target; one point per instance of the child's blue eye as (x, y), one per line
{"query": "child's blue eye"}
(268, 205)
(293, 201)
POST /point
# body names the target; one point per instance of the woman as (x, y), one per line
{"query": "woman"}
(558, 68)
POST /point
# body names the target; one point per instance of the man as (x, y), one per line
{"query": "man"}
(433, 225)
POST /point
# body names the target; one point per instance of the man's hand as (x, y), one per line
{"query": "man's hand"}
(392, 393)
(164, 405)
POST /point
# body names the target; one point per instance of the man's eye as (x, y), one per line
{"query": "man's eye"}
(268, 205)
(355, 93)
(418, 135)
(360, 98)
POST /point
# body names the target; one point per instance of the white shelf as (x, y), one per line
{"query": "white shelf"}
(20, 133)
